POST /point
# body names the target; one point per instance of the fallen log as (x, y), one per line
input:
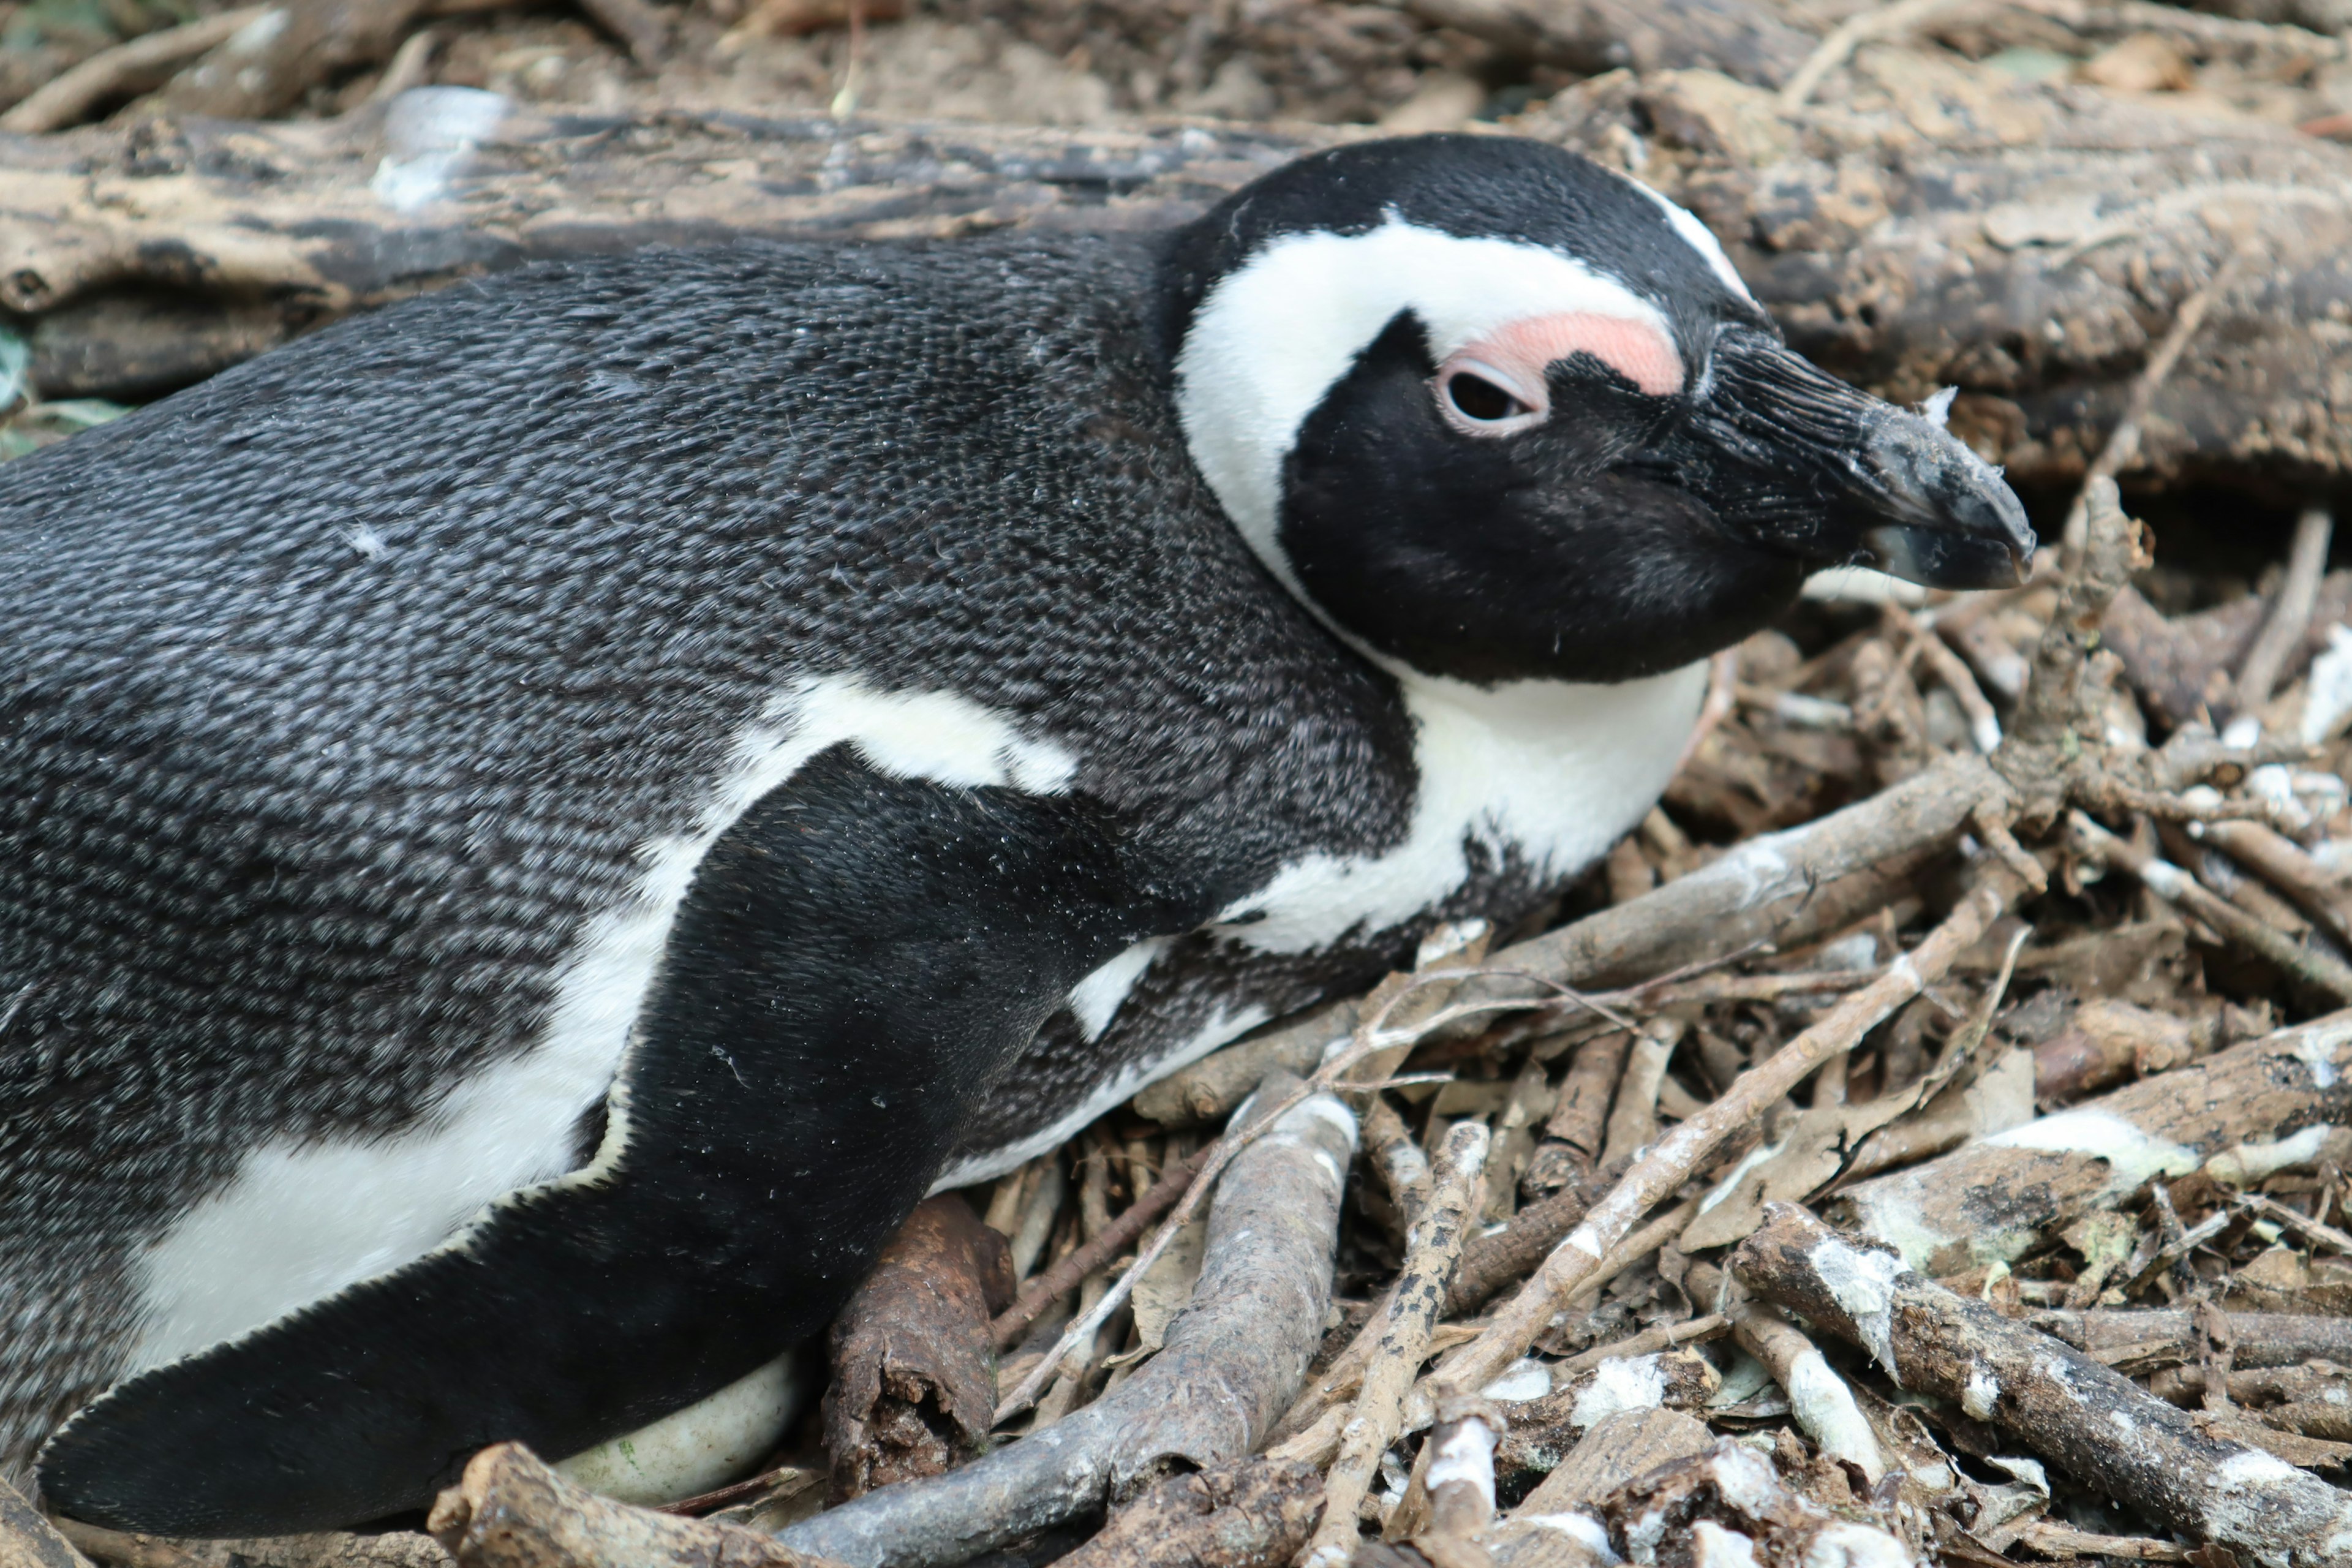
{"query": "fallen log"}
(2022, 206)
(1994, 1200)
(2116, 1335)
(1233, 1358)
(2099, 1427)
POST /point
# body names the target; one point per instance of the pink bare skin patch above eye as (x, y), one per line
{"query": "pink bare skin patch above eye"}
(1636, 350)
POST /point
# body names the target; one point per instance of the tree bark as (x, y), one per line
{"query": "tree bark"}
(2028, 243)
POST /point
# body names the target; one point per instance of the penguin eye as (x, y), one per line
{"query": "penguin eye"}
(1479, 400)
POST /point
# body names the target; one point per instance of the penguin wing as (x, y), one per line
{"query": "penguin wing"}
(858, 956)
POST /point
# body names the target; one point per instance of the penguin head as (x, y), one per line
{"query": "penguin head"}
(1496, 412)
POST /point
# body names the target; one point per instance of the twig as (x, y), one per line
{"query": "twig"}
(2289, 616)
(1847, 36)
(1232, 1359)
(2174, 886)
(142, 63)
(1372, 1037)
(2110, 1435)
(1818, 1398)
(2283, 864)
(1984, 724)
(2301, 1224)
(2123, 441)
(1722, 697)
(1677, 1156)
(1649, 1341)
(1414, 1305)
(1047, 1287)
(509, 1511)
(28, 1540)
(641, 30)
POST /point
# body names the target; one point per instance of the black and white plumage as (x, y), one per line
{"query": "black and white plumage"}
(534, 826)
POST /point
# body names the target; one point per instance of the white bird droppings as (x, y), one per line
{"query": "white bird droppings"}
(1982, 1389)
(1863, 1284)
(1712, 1546)
(1620, 1383)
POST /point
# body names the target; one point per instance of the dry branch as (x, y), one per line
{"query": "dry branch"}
(1679, 1155)
(1414, 1304)
(318, 1549)
(1994, 1200)
(1233, 1358)
(1253, 1515)
(509, 1510)
(1997, 192)
(2142, 1335)
(28, 1540)
(913, 1389)
(1049, 1286)
(1747, 41)
(2099, 1427)
(142, 63)
(263, 68)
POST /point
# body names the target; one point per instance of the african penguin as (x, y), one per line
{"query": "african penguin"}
(536, 823)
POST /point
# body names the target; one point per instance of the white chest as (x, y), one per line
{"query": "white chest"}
(1550, 771)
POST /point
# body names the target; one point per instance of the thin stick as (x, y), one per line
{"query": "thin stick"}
(1049, 1286)
(2123, 442)
(1677, 1157)
(1372, 1036)
(1436, 1245)
(1984, 724)
(1847, 36)
(2290, 616)
(2177, 887)
(143, 62)
(1664, 1337)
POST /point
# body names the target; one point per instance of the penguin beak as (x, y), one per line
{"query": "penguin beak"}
(1797, 461)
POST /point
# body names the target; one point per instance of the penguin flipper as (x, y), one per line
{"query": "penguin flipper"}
(858, 954)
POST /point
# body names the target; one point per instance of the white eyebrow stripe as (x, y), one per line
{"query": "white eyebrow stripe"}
(1699, 237)
(1272, 338)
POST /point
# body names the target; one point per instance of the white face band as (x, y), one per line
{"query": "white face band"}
(1272, 338)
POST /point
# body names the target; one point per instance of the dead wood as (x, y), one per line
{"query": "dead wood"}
(1399, 1337)
(263, 68)
(1751, 43)
(2126, 1336)
(1678, 1156)
(144, 62)
(1546, 1430)
(1614, 1450)
(1120, 1233)
(1994, 1200)
(2182, 667)
(1251, 1515)
(2023, 206)
(2094, 1424)
(1233, 1359)
(1727, 1505)
(913, 1386)
(27, 1539)
(319, 1549)
(509, 1510)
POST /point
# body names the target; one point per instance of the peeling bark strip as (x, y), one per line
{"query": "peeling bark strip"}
(1234, 1358)
(509, 1510)
(1992, 1200)
(914, 1384)
(2100, 1428)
